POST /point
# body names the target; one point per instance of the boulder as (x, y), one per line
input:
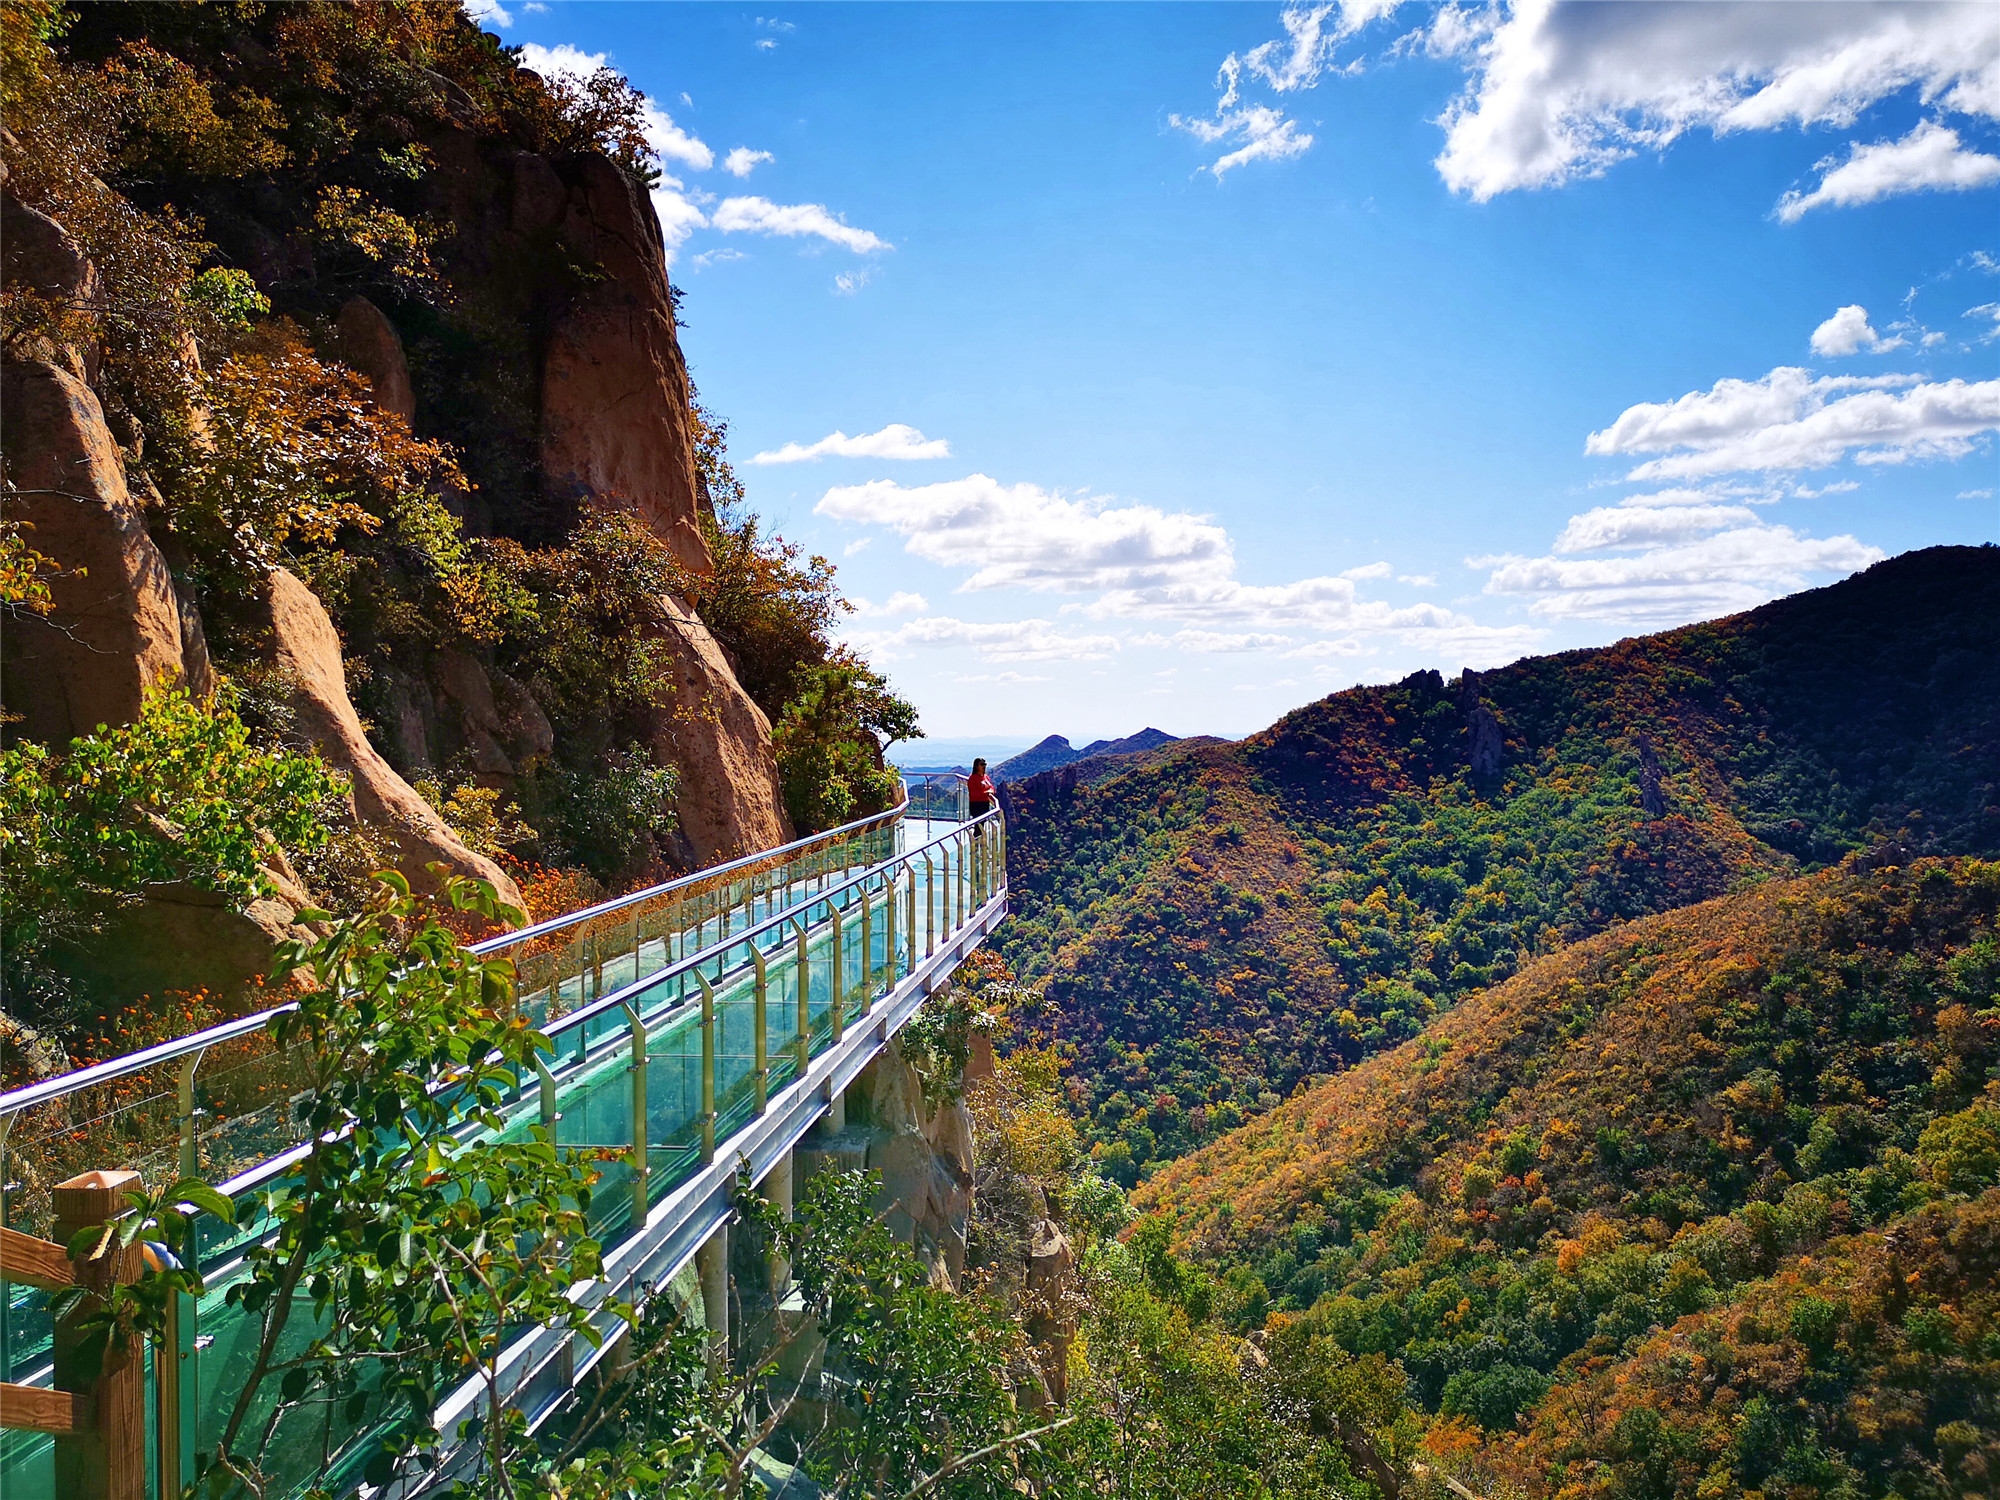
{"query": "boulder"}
(525, 730)
(463, 680)
(116, 628)
(37, 256)
(721, 743)
(181, 937)
(369, 342)
(616, 422)
(305, 645)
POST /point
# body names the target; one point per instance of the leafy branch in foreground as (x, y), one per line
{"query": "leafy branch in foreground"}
(410, 1248)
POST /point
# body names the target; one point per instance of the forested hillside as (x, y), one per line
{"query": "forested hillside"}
(1697, 1199)
(1221, 924)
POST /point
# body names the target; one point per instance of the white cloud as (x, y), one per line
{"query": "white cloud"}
(847, 283)
(1003, 678)
(1418, 580)
(901, 603)
(1139, 563)
(1987, 310)
(562, 60)
(1009, 640)
(1975, 494)
(535, 8)
(1368, 570)
(896, 441)
(1264, 133)
(762, 216)
(1930, 158)
(742, 161)
(1731, 570)
(1848, 332)
(680, 216)
(1294, 62)
(1320, 649)
(720, 257)
(1789, 420)
(1213, 642)
(1627, 526)
(858, 546)
(491, 12)
(1022, 536)
(1559, 92)
(673, 143)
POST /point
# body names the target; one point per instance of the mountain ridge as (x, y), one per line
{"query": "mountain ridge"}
(1219, 924)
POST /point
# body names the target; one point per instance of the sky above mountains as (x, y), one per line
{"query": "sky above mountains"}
(1180, 364)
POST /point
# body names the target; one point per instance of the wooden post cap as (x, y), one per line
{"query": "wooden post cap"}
(91, 1198)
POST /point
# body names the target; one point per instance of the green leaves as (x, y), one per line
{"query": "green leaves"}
(179, 795)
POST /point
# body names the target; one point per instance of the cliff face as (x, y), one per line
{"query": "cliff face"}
(544, 353)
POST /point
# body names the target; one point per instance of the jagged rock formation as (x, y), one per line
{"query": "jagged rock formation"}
(1056, 751)
(306, 648)
(370, 343)
(925, 1157)
(729, 802)
(116, 628)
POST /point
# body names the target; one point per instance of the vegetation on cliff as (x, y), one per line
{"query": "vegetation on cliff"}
(1223, 924)
(251, 235)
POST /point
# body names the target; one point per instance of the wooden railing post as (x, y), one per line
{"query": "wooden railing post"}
(106, 1459)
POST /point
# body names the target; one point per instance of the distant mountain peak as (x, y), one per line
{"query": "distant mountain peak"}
(1057, 751)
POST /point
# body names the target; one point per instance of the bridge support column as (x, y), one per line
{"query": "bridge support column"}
(711, 1263)
(835, 1119)
(777, 1187)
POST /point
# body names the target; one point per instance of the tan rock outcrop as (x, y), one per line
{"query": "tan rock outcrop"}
(369, 342)
(721, 741)
(305, 645)
(116, 628)
(615, 408)
(38, 257)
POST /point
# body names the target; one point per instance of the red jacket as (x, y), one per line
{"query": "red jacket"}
(979, 788)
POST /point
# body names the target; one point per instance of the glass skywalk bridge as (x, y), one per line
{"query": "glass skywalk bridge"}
(698, 1026)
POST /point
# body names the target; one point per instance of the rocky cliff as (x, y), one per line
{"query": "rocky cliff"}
(540, 346)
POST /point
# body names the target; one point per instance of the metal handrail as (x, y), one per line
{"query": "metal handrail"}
(33, 1095)
(714, 872)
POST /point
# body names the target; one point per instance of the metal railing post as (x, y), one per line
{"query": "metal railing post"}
(910, 917)
(548, 1099)
(762, 1071)
(803, 1043)
(838, 990)
(707, 1070)
(639, 1162)
(930, 906)
(867, 947)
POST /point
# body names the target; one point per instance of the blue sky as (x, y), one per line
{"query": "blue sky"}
(1190, 362)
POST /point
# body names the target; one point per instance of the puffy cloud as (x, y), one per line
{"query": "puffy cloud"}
(1141, 563)
(1847, 332)
(901, 603)
(562, 60)
(1559, 92)
(1621, 526)
(1022, 536)
(1008, 640)
(1264, 134)
(1295, 61)
(1929, 158)
(1368, 570)
(491, 13)
(762, 216)
(741, 161)
(1790, 420)
(679, 215)
(1731, 569)
(897, 441)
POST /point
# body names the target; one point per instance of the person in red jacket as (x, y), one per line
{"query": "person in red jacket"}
(979, 789)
